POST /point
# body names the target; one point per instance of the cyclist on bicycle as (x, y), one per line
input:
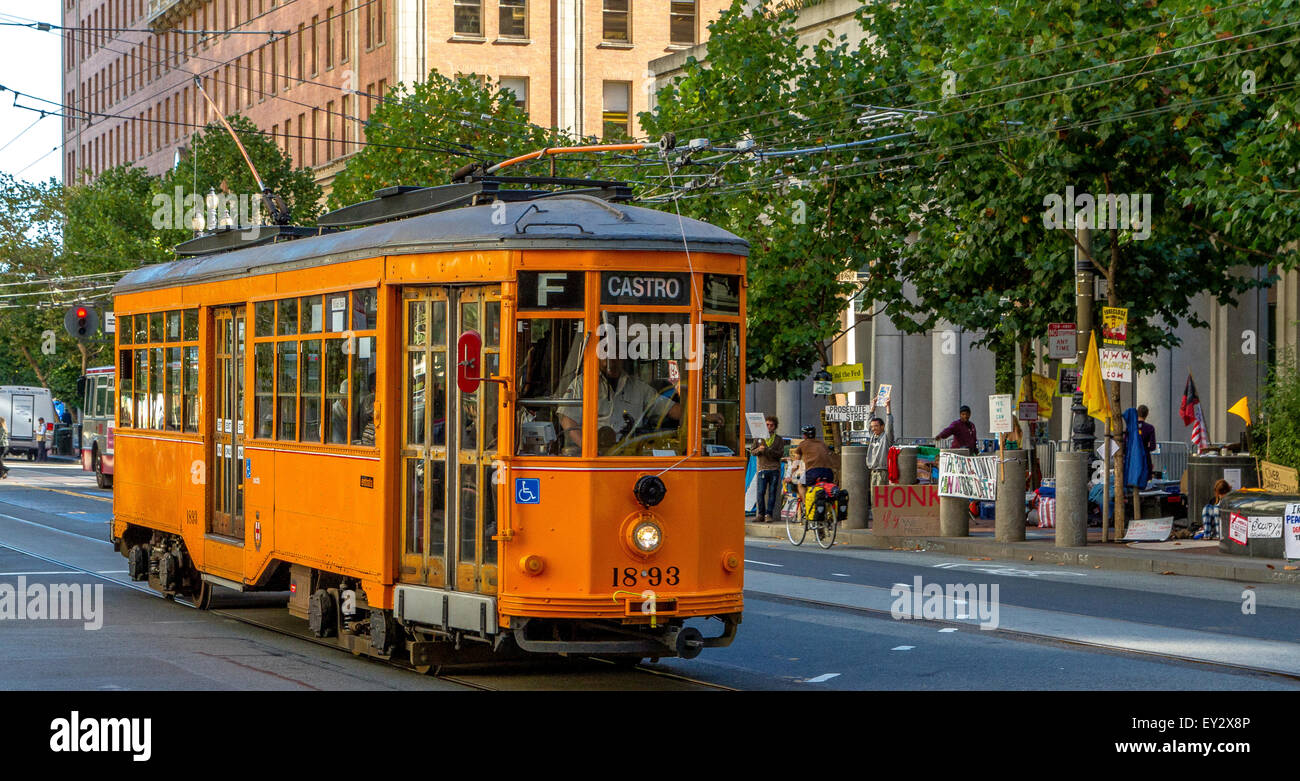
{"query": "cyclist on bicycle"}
(819, 465)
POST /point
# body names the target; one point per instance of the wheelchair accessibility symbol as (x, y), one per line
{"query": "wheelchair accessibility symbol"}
(528, 490)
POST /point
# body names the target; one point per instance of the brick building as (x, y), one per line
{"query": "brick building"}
(576, 64)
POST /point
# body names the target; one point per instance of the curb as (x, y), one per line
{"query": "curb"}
(1093, 556)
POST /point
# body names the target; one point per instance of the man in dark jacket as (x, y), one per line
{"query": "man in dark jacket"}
(962, 431)
(769, 453)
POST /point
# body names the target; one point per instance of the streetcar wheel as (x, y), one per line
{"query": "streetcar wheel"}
(203, 597)
(796, 529)
(826, 533)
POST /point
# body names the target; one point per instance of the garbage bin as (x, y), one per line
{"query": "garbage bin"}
(63, 440)
(1204, 471)
(1263, 506)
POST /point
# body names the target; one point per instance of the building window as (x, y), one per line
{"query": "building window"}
(514, 19)
(468, 17)
(519, 86)
(381, 21)
(615, 116)
(329, 38)
(616, 21)
(681, 22)
(347, 33)
(315, 48)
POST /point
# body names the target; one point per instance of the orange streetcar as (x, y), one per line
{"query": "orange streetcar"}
(481, 419)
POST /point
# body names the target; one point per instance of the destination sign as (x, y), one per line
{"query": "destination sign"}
(634, 287)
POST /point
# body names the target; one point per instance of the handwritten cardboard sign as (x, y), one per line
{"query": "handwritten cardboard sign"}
(905, 510)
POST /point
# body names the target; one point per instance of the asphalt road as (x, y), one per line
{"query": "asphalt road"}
(814, 620)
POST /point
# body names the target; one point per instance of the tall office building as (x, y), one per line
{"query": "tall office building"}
(306, 71)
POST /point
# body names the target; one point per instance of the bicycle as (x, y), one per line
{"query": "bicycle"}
(821, 516)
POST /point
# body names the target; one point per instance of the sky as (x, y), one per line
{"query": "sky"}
(29, 63)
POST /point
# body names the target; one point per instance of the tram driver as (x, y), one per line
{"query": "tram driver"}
(625, 403)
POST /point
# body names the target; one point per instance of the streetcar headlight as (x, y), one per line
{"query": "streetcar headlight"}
(647, 536)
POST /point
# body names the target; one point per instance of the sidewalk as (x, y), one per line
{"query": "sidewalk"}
(1040, 547)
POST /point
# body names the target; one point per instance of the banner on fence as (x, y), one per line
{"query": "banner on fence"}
(968, 477)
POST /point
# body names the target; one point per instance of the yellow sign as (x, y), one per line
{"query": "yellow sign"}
(847, 377)
(1279, 479)
(846, 372)
(1042, 390)
(1114, 324)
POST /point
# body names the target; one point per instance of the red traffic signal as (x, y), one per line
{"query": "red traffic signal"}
(81, 322)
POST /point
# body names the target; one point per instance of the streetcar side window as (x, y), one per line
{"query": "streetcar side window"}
(264, 389)
(191, 388)
(125, 400)
(101, 398)
(363, 388)
(720, 380)
(548, 365)
(264, 318)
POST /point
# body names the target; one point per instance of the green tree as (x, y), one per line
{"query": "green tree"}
(822, 227)
(423, 132)
(214, 163)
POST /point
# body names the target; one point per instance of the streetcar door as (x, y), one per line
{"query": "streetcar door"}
(227, 473)
(477, 309)
(424, 442)
(447, 456)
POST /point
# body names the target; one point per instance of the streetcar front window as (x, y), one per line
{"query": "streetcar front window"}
(548, 365)
(642, 384)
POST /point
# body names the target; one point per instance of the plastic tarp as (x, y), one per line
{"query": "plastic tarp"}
(1136, 471)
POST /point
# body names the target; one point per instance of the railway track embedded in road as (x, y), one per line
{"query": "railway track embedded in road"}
(482, 681)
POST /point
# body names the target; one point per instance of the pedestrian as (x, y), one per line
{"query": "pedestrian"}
(794, 473)
(40, 439)
(4, 448)
(769, 453)
(1147, 433)
(1210, 513)
(962, 431)
(817, 461)
(878, 445)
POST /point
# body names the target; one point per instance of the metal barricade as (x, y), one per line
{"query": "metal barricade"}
(1046, 459)
(1170, 459)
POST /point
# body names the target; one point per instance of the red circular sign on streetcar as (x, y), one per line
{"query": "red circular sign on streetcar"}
(469, 347)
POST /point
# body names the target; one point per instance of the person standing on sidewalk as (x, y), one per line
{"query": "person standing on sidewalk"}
(878, 445)
(40, 439)
(962, 431)
(769, 453)
(1147, 433)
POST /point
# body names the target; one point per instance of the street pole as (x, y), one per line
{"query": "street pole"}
(1082, 427)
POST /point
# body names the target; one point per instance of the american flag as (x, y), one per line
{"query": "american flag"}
(1190, 411)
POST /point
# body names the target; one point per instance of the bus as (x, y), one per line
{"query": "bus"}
(98, 418)
(484, 417)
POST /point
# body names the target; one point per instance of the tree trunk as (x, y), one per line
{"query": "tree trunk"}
(40, 375)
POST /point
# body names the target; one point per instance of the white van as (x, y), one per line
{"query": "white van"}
(21, 406)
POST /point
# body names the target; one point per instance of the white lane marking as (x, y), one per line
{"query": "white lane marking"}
(822, 678)
(764, 563)
(963, 615)
(949, 629)
(56, 531)
(839, 574)
(111, 571)
(46, 572)
(902, 648)
(1008, 571)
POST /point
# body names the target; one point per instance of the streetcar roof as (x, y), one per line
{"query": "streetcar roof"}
(566, 221)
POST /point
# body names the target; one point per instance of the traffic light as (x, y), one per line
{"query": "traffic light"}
(81, 322)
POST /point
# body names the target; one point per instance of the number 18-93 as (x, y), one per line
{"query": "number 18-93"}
(654, 576)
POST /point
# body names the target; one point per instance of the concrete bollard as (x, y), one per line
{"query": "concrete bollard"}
(1009, 517)
(954, 511)
(1071, 499)
(855, 479)
(907, 466)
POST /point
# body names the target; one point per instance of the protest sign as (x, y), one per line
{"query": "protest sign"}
(969, 477)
